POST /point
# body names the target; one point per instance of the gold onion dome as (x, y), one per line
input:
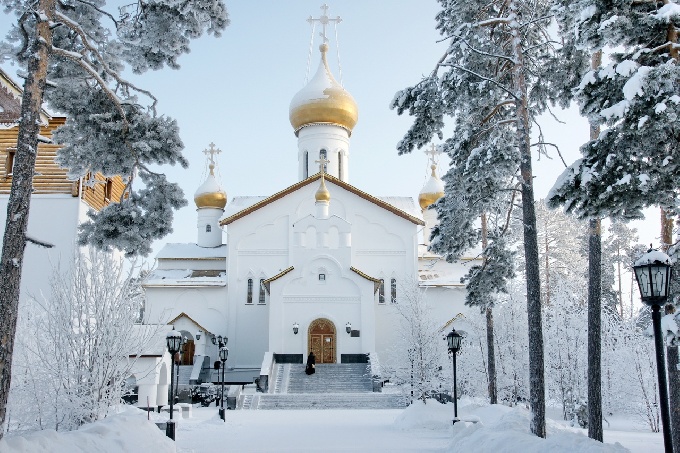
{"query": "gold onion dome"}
(210, 195)
(432, 191)
(322, 194)
(323, 100)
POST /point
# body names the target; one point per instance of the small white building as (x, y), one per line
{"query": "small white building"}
(317, 266)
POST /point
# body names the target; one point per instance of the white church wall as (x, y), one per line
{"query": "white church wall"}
(53, 219)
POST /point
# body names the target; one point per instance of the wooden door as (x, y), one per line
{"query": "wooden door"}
(322, 340)
(188, 353)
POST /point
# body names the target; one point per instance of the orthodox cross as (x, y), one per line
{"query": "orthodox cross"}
(322, 164)
(432, 153)
(210, 152)
(324, 20)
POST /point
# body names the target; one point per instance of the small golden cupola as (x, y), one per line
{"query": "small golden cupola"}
(210, 194)
(432, 191)
(322, 194)
(323, 101)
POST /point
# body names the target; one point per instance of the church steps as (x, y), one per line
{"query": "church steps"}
(331, 401)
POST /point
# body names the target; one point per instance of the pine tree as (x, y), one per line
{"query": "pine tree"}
(74, 53)
(498, 73)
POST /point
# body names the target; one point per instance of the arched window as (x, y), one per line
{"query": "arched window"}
(381, 292)
(261, 300)
(249, 299)
(323, 154)
(208, 228)
(339, 164)
(393, 289)
(306, 172)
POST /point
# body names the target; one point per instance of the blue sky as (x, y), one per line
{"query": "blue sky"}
(235, 91)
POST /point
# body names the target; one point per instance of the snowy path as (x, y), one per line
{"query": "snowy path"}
(304, 431)
(348, 431)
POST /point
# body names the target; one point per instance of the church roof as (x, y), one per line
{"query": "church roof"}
(186, 277)
(190, 251)
(403, 213)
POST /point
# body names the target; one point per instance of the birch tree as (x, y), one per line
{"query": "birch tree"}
(74, 52)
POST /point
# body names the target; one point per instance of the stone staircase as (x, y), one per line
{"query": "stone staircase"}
(184, 374)
(333, 386)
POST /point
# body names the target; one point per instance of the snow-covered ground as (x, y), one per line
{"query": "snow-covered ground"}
(419, 428)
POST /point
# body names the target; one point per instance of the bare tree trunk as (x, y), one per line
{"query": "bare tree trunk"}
(594, 331)
(493, 391)
(531, 258)
(14, 241)
(671, 349)
(595, 309)
(490, 351)
(618, 266)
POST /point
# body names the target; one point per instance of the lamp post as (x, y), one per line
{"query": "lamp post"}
(177, 364)
(653, 274)
(454, 339)
(224, 353)
(173, 341)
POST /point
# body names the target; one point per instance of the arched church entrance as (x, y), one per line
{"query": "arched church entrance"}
(322, 339)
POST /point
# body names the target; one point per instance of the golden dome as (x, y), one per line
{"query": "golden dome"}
(323, 100)
(323, 194)
(209, 195)
(432, 191)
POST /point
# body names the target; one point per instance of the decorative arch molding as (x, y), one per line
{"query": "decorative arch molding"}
(322, 340)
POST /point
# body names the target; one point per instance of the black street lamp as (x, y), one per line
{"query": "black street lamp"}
(653, 274)
(454, 339)
(178, 362)
(348, 327)
(219, 341)
(173, 341)
(224, 353)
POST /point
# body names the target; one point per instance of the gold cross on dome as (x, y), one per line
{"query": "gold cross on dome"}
(324, 20)
(322, 164)
(211, 151)
(432, 154)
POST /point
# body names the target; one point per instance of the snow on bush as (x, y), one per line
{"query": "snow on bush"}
(127, 431)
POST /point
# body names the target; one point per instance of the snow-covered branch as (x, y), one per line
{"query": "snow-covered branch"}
(481, 77)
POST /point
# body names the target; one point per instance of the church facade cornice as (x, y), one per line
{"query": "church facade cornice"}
(329, 178)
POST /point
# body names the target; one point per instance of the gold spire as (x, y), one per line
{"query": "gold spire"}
(209, 194)
(323, 101)
(433, 189)
(322, 194)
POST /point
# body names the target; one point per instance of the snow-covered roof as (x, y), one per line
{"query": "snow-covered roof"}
(191, 251)
(413, 215)
(186, 277)
(406, 204)
(240, 203)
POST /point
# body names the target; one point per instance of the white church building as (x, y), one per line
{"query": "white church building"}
(318, 266)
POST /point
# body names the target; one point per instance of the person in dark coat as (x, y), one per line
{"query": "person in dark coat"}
(311, 362)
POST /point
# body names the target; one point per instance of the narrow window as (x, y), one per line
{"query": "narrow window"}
(381, 292)
(108, 189)
(208, 228)
(306, 172)
(322, 277)
(261, 291)
(393, 289)
(323, 155)
(249, 299)
(9, 163)
(339, 164)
